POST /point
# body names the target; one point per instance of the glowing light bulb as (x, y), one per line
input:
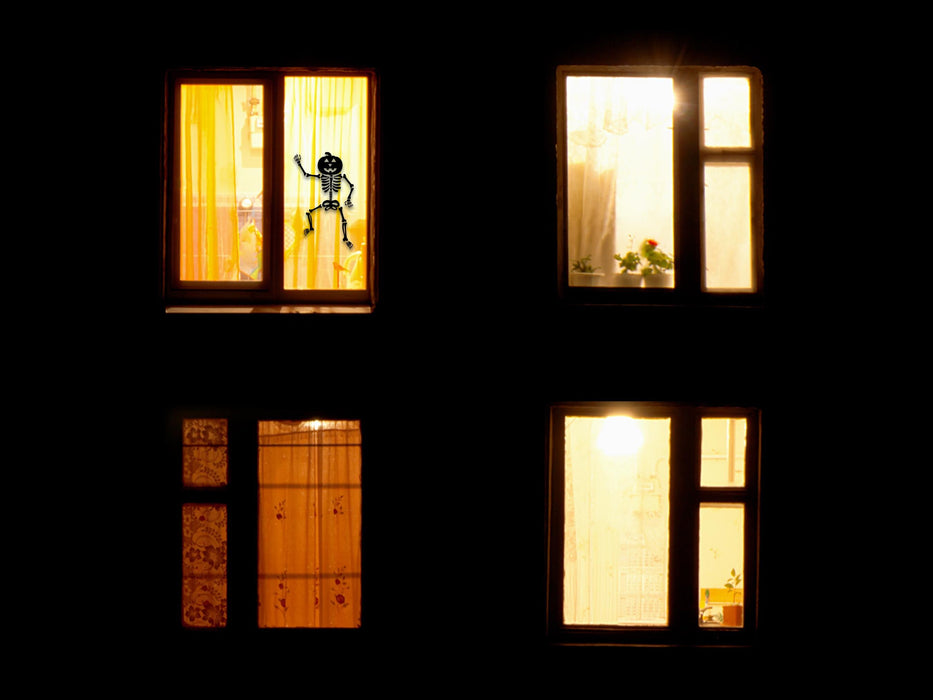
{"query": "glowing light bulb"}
(619, 435)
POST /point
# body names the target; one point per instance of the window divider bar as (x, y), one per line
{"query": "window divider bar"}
(684, 541)
(688, 185)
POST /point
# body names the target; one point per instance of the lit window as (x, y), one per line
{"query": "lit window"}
(652, 523)
(308, 523)
(270, 190)
(660, 183)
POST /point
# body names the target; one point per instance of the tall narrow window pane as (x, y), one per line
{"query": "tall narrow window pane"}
(326, 236)
(722, 564)
(204, 565)
(726, 110)
(309, 523)
(220, 183)
(619, 179)
(727, 232)
(616, 521)
(723, 452)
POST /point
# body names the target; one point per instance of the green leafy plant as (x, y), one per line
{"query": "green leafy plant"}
(583, 265)
(657, 261)
(628, 262)
(733, 583)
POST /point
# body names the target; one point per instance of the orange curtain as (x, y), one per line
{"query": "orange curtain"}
(207, 178)
(325, 114)
(309, 524)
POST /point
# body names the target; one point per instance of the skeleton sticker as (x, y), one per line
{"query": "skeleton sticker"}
(331, 174)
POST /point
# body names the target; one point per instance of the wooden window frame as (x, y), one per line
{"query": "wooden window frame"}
(686, 497)
(268, 294)
(240, 496)
(689, 157)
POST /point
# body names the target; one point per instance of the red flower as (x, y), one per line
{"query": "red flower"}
(340, 598)
(653, 243)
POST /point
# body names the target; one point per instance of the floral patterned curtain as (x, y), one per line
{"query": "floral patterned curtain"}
(309, 524)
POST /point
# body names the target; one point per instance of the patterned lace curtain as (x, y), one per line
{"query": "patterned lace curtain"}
(309, 524)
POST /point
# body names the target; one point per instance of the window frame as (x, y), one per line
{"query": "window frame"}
(690, 155)
(268, 293)
(686, 497)
(240, 496)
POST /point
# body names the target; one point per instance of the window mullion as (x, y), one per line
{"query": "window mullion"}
(684, 539)
(275, 181)
(688, 184)
(242, 546)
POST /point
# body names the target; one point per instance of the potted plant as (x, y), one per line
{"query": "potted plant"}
(733, 614)
(658, 265)
(628, 263)
(583, 274)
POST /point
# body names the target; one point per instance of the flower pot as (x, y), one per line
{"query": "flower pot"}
(626, 279)
(733, 615)
(586, 279)
(660, 280)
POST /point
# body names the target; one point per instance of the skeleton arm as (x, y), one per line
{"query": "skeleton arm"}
(300, 167)
(349, 203)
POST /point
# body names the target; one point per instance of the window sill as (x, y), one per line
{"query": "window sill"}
(264, 309)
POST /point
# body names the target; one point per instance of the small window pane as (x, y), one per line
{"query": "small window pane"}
(616, 521)
(309, 523)
(326, 236)
(722, 564)
(723, 452)
(204, 452)
(726, 109)
(727, 233)
(220, 183)
(204, 565)
(619, 179)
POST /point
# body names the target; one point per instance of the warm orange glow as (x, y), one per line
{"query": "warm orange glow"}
(326, 114)
(309, 524)
(204, 565)
(204, 452)
(220, 178)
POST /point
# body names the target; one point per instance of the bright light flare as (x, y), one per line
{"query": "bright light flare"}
(620, 435)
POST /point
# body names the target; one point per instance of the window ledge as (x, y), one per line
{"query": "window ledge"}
(282, 309)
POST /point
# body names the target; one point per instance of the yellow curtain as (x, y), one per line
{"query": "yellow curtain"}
(325, 114)
(208, 219)
(309, 524)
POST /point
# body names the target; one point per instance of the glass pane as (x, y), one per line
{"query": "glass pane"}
(204, 565)
(204, 452)
(327, 130)
(726, 109)
(620, 181)
(616, 520)
(722, 461)
(722, 562)
(309, 523)
(727, 233)
(220, 183)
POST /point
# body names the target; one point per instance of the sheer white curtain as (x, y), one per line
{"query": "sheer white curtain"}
(620, 168)
(616, 513)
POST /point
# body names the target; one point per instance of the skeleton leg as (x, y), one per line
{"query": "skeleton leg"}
(343, 223)
(308, 214)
